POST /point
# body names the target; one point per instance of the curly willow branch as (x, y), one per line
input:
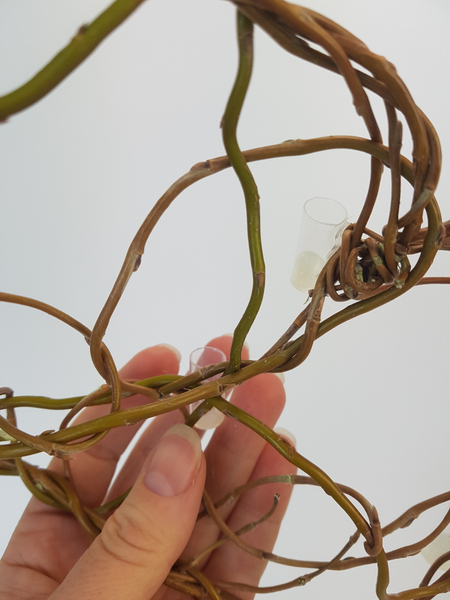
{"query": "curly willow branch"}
(239, 164)
(371, 271)
(86, 40)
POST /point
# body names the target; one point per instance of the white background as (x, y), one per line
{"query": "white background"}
(81, 169)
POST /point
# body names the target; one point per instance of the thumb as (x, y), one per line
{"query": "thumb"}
(145, 536)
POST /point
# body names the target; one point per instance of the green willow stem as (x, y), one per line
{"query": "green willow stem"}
(185, 584)
(92, 527)
(253, 589)
(106, 508)
(239, 164)
(350, 563)
(213, 594)
(291, 480)
(109, 369)
(414, 513)
(258, 553)
(115, 419)
(67, 60)
(68, 403)
(46, 402)
(421, 592)
(245, 529)
(296, 459)
(40, 494)
(433, 569)
(8, 467)
(48, 309)
(193, 379)
(198, 413)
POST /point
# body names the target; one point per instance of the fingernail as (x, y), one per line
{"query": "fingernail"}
(174, 462)
(173, 349)
(285, 433)
(280, 377)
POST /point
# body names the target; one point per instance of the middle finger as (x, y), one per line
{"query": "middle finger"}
(234, 451)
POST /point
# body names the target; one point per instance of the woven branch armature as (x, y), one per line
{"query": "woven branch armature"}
(369, 270)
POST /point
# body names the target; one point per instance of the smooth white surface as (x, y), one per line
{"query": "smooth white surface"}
(81, 169)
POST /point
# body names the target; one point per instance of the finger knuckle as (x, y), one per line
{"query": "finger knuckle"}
(127, 537)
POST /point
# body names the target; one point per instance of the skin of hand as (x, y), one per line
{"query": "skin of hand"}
(50, 557)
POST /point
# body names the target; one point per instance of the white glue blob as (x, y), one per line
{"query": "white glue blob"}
(306, 269)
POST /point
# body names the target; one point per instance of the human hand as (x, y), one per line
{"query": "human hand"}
(50, 557)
